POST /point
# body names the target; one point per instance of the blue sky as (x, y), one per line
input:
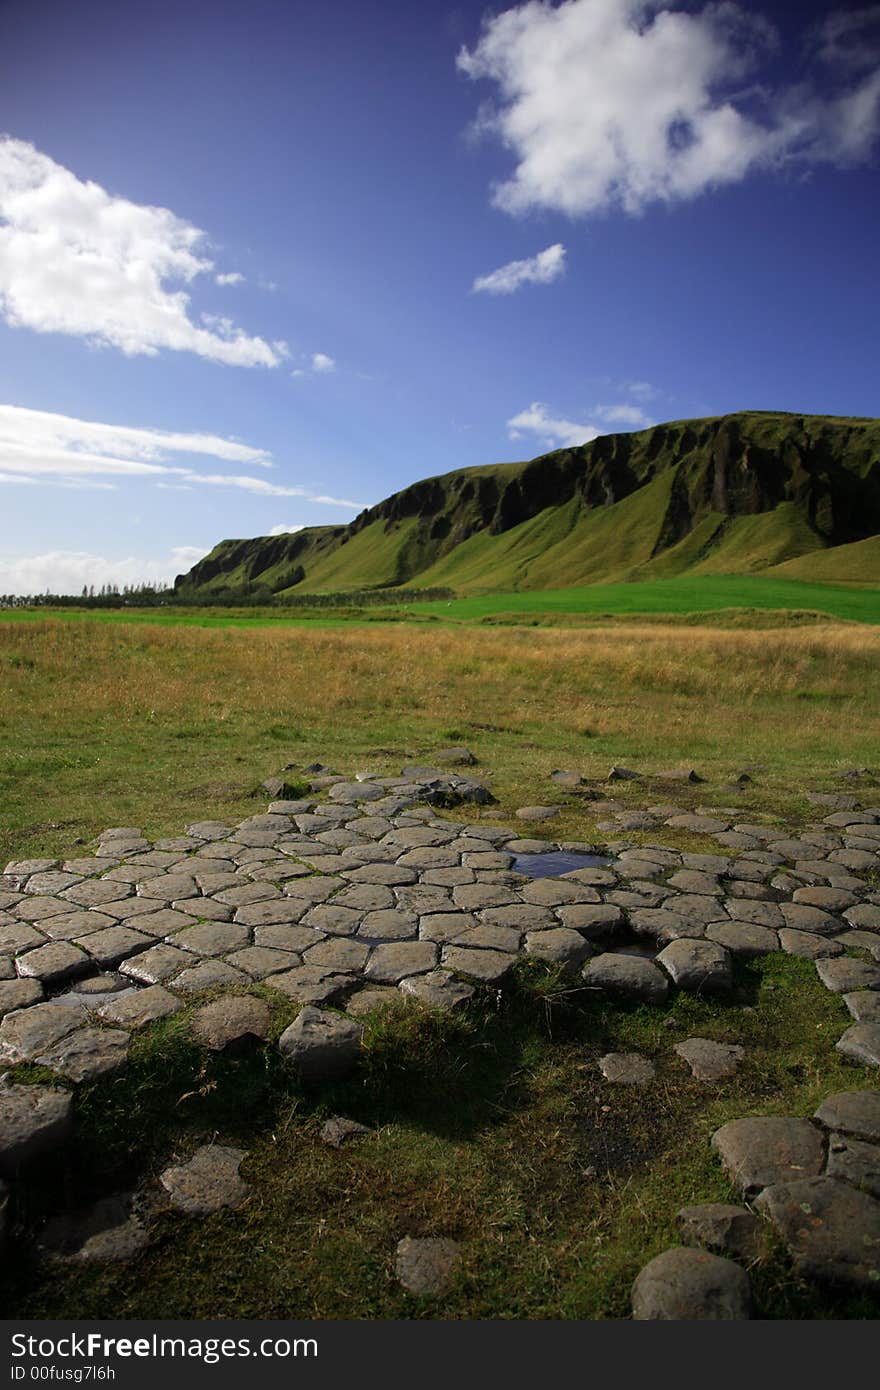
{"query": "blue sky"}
(262, 265)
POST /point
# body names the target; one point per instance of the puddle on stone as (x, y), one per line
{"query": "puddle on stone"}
(555, 862)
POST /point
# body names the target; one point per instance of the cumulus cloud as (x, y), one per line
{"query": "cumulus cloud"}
(555, 432)
(541, 269)
(68, 571)
(39, 447)
(321, 362)
(625, 103)
(76, 259)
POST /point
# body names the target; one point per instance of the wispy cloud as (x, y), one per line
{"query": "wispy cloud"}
(541, 269)
(625, 103)
(555, 432)
(322, 362)
(69, 571)
(78, 260)
(282, 530)
(39, 447)
(231, 277)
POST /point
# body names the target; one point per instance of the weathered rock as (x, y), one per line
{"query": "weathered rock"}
(209, 1182)
(864, 1005)
(313, 985)
(535, 813)
(689, 1284)
(109, 1231)
(808, 945)
(365, 1001)
(139, 1007)
(701, 967)
(155, 965)
(761, 1150)
(591, 920)
(211, 938)
(86, 1054)
(426, 1266)
(627, 977)
(801, 917)
(486, 967)
(743, 938)
(723, 1229)
(708, 1060)
(27, 1032)
(395, 961)
(338, 954)
(111, 947)
(861, 1042)
(559, 946)
(338, 1130)
(231, 1022)
(627, 1068)
(439, 989)
(53, 963)
(855, 1162)
(845, 974)
(321, 1046)
(207, 975)
(832, 1230)
(19, 994)
(456, 757)
(33, 1120)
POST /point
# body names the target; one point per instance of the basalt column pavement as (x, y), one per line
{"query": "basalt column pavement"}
(364, 892)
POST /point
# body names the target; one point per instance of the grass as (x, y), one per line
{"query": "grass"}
(494, 1128)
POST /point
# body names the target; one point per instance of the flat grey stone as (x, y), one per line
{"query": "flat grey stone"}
(339, 954)
(485, 966)
(866, 915)
(208, 1183)
(743, 938)
(828, 899)
(689, 1284)
(558, 946)
(27, 1032)
(286, 938)
(536, 813)
(261, 961)
(556, 892)
(108, 1232)
(312, 985)
(426, 1266)
(708, 1060)
(321, 1046)
(19, 994)
(626, 977)
(209, 830)
(139, 1007)
(845, 974)
(808, 945)
(391, 875)
(233, 1021)
(759, 1151)
(864, 1005)
(211, 938)
(723, 1229)
(489, 937)
(801, 917)
(53, 963)
(591, 920)
(158, 963)
(337, 921)
(760, 914)
(445, 926)
(338, 1131)
(33, 1120)
(700, 967)
(627, 1068)
(663, 925)
(852, 1112)
(395, 961)
(36, 910)
(366, 1001)
(389, 924)
(832, 1230)
(365, 897)
(73, 925)
(114, 945)
(439, 989)
(16, 937)
(701, 825)
(855, 940)
(86, 1054)
(861, 1042)
(208, 974)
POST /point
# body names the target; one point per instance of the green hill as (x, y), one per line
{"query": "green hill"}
(734, 494)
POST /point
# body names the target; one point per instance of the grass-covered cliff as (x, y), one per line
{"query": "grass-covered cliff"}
(745, 493)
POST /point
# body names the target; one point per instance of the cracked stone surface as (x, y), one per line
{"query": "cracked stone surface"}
(208, 1182)
(708, 1060)
(627, 1069)
(832, 1230)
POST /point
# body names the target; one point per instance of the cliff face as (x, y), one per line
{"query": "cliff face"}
(821, 475)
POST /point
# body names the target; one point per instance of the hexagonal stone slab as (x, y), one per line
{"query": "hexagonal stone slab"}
(156, 964)
(19, 994)
(28, 1032)
(33, 1120)
(114, 945)
(759, 1151)
(207, 975)
(365, 1001)
(832, 1230)
(136, 1008)
(861, 1042)
(439, 989)
(801, 917)
(852, 1112)
(627, 1068)
(395, 961)
(208, 1183)
(590, 919)
(231, 1022)
(487, 967)
(626, 977)
(321, 1046)
(87, 1053)
(743, 938)
(709, 1060)
(723, 1229)
(855, 1162)
(864, 1005)
(53, 963)
(700, 967)
(808, 945)
(338, 954)
(690, 1284)
(558, 946)
(426, 1266)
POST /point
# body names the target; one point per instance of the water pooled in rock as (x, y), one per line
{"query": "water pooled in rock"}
(556, 862)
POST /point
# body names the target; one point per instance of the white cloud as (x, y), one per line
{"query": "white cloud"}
(39, 447)
(541, 269)
(555, 432)
(75, 259)
(629, 102)
(282, 530)
(67, 571)
(232, 277)
(321, 362)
